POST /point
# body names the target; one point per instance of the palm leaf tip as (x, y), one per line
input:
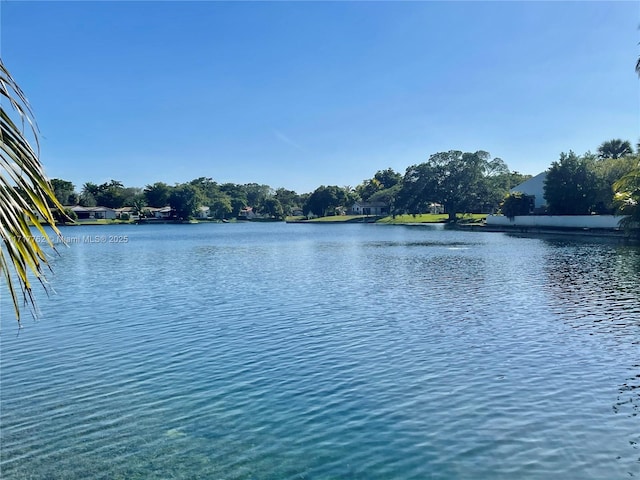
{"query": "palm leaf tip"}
(25, 194)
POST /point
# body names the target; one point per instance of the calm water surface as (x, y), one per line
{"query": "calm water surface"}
(274, 351)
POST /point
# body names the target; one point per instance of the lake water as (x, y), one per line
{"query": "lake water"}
(275, 351)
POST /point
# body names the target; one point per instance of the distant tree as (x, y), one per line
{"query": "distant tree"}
(388, 178)
(417, 186)
(324, 200)
(517, 203)
(139, 203)
(272, 207)
(256, 194)
(615, 148)
(288, 200)
(130, 195)
(64, 191)
(608, 171)
(350, 197)
(570, 187)
(454, 179)
(88, 195)
(220, 206)
(185, 200)
(111, 194)
(208, 188)
(65, 215)
(387, 196)
(237, 197)
(382, 180)
(516, 178)
(493, 187)
(157, 195)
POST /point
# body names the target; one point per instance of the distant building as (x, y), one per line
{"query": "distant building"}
(370, 208)
(94, 213)
(163, 212)
(534, 187)
(247, 213)
(436, 208)
(127, 212)
(203, 212)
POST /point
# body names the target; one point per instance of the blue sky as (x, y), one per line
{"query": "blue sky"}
(299, 94)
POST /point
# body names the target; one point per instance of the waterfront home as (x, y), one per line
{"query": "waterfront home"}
(534, 187)
(247, 213)
(370, 208)
(162, 213)
(127, 213)
(94, 213)
(203, 213)
(436, 208)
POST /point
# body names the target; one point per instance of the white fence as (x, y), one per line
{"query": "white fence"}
(556, 221)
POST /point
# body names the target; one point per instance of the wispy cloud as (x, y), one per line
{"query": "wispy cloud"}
(282, 137)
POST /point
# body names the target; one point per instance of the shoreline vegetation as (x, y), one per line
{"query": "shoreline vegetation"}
(599, 184)
(466, 222)
(424, 218)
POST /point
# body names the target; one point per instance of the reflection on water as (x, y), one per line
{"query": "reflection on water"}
(595, 287)
(353, 351)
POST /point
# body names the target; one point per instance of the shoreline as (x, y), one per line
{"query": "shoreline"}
(529, 231)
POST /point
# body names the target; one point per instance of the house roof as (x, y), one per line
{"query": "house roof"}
(533, 186)
(371, 204)
(79, 208)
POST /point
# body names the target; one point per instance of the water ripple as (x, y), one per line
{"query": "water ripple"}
(355, 352)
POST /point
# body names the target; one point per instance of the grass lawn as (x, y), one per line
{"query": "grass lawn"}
(400, 219)
(433, 218)
(335, 218)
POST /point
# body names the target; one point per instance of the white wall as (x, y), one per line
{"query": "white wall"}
(556, 221)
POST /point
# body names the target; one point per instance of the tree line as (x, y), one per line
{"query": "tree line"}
(225, 200)
(607, 182)
(460, 182)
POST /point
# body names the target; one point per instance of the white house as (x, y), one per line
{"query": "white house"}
(535, 187)
(370, 208)
(203, 212)
(164, 212)
(94, 213)
(436, 208)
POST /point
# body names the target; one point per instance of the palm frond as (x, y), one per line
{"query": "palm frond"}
(627, 199)
(25, 193)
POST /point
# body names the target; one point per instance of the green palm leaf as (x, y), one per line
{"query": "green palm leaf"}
(25, 193)
(627, 198)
